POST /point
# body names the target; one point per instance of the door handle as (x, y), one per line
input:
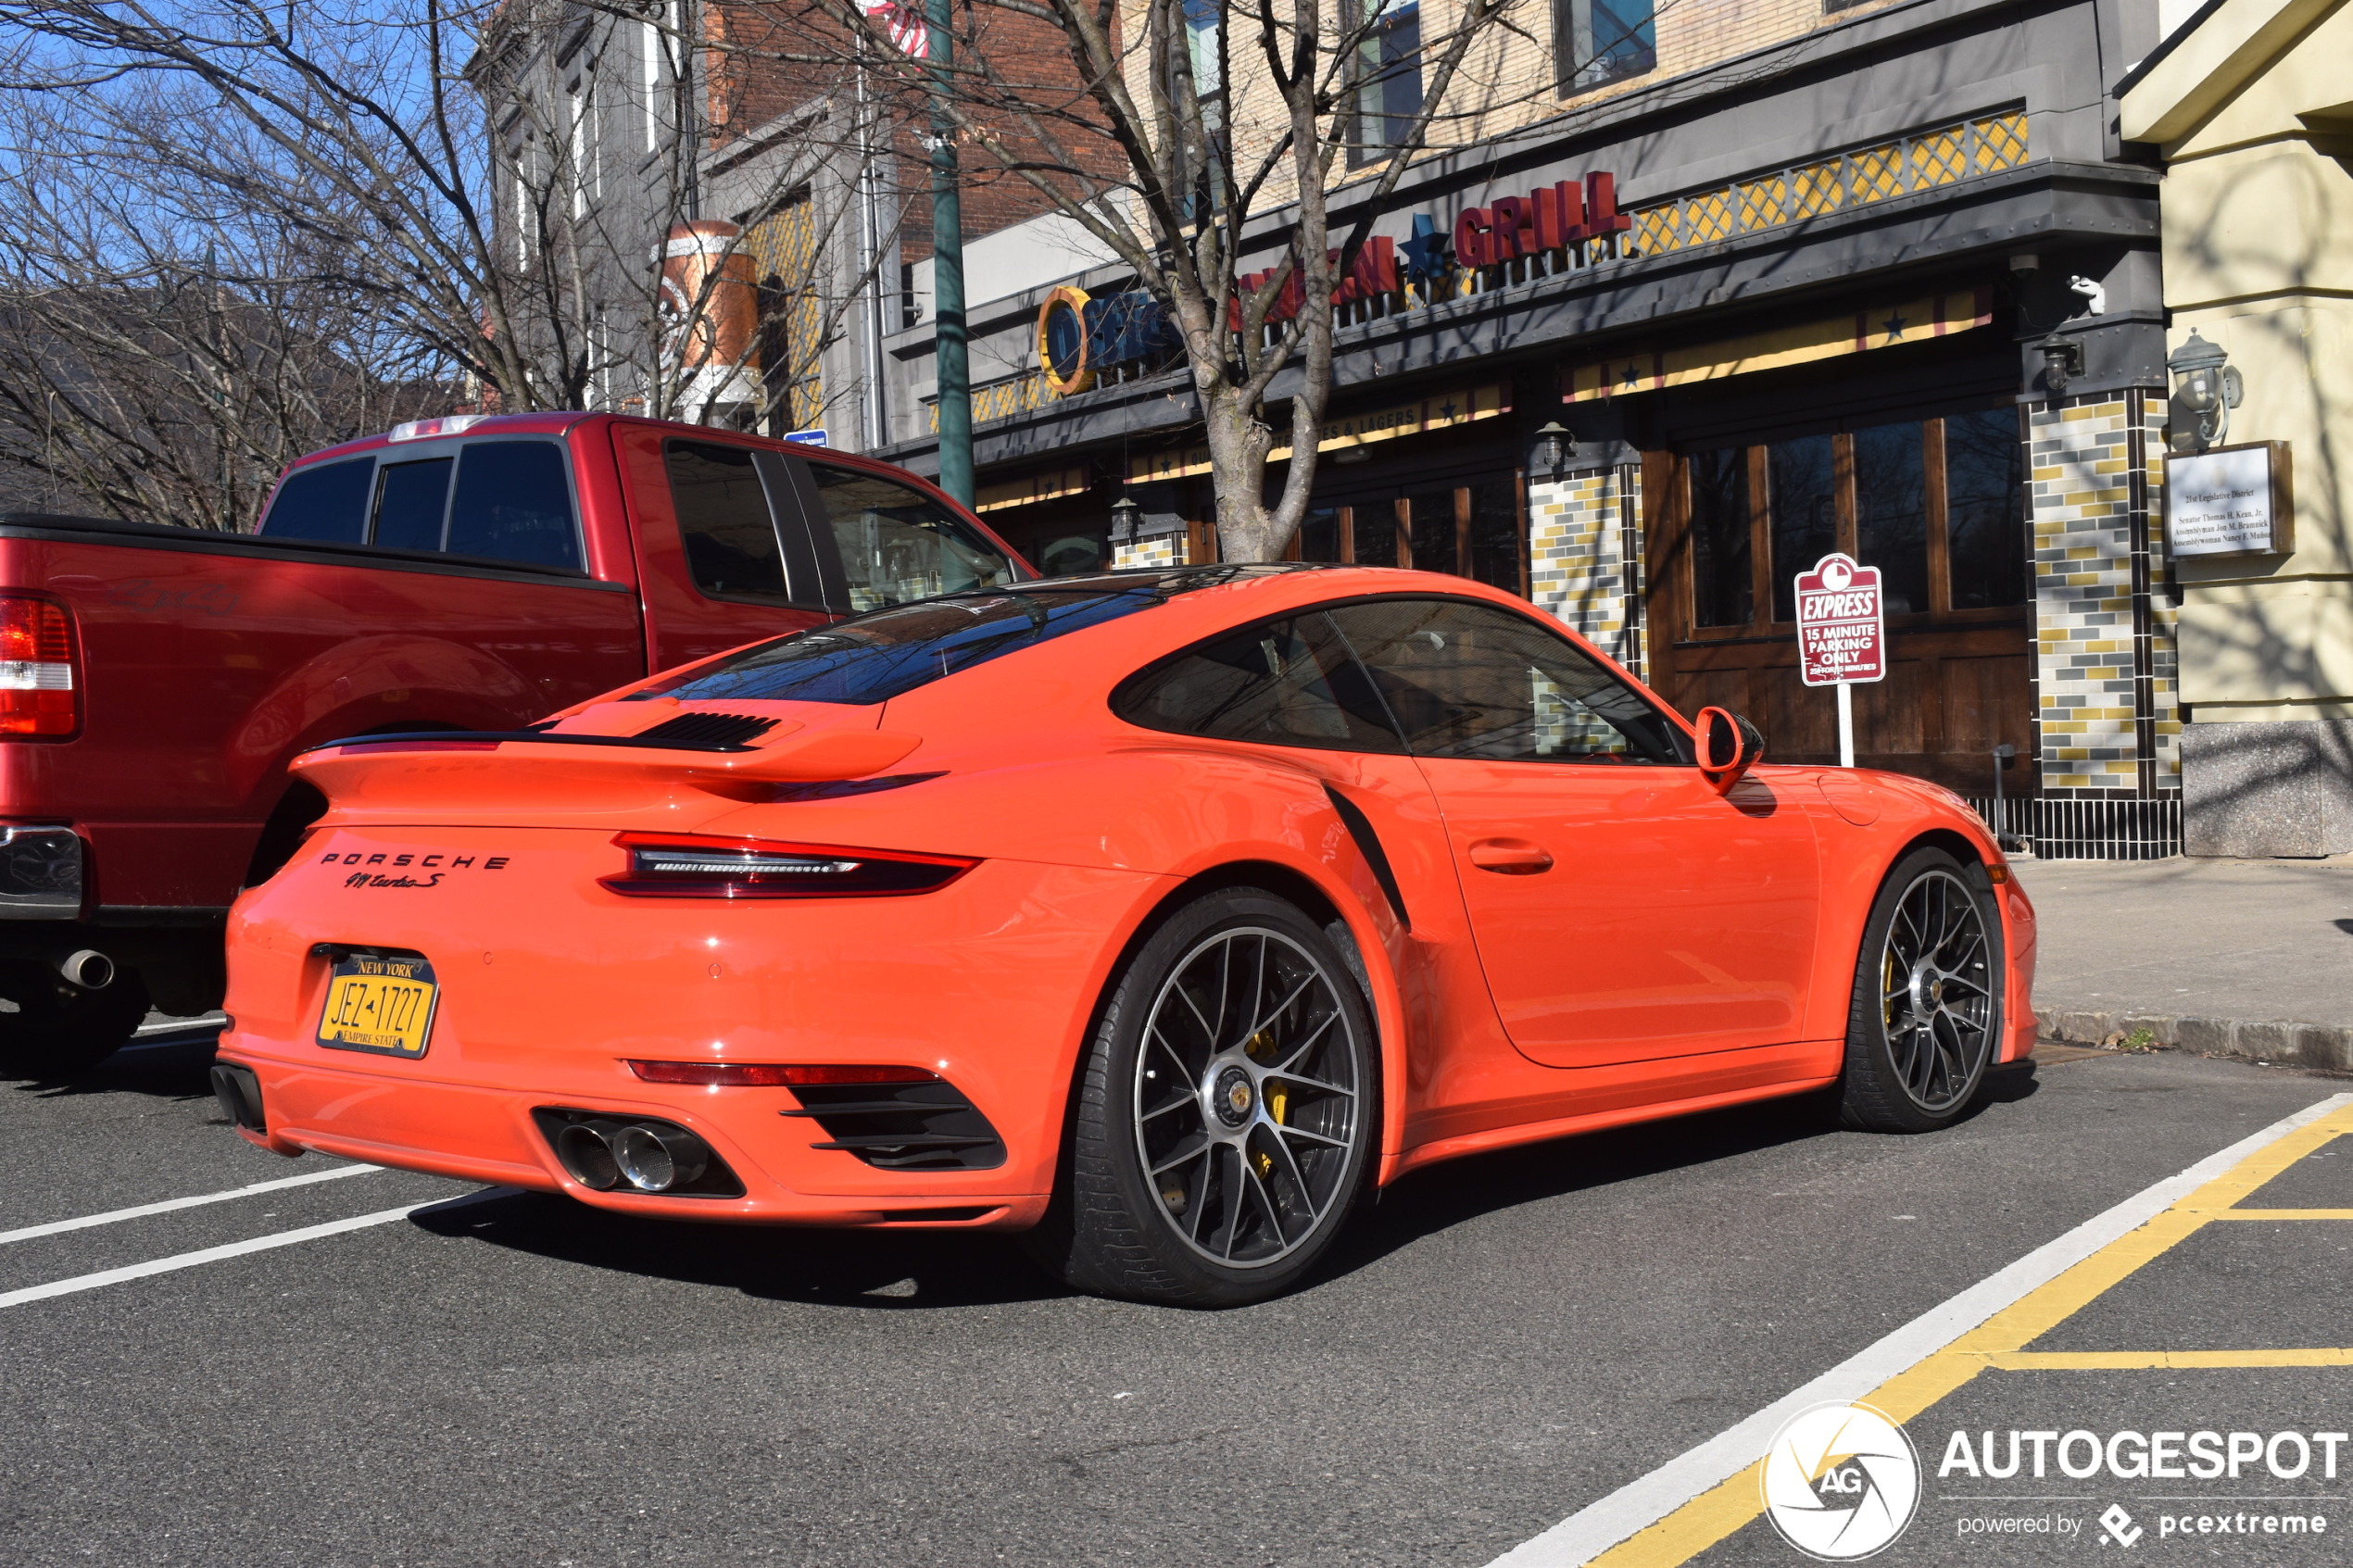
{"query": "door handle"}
(1510, 856)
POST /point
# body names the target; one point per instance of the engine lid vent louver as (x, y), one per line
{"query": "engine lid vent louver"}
(707, 730)
(911, 1126)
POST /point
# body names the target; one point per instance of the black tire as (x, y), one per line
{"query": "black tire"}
(1925, 1016)
(61, 1031)
(1278, 1170)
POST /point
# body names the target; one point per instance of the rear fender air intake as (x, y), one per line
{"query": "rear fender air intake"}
(926, 1125)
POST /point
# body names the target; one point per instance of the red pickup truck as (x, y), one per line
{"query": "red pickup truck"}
(470, 572)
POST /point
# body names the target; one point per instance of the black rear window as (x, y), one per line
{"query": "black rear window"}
(885, 654)
(327, 501)
(514, 503)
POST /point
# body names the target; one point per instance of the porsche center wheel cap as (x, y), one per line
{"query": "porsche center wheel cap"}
(1233, 1098)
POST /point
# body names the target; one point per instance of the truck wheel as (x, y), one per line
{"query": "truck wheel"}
(1926, 1014)
(1228, 1115)
(59, 1030)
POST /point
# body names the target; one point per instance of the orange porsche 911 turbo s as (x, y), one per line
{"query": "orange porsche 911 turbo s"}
(1159, 914)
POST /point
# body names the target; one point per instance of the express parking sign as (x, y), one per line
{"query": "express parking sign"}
(1842, 624)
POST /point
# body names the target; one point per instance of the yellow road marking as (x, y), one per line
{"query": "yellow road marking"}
(2284, 1214)
(2144, 1360)
(1721, 1510)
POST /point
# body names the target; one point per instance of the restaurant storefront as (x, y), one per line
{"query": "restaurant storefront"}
(1929, 335)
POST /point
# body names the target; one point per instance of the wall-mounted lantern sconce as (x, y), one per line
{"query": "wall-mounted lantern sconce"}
(1125, 517)
(2206, 388)
(1555, 446)
(2062, 361)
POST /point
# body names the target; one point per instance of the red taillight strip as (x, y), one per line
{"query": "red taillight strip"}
(819, 871)
(760, 1074)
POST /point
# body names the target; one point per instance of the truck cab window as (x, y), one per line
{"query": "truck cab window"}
(514, 503)
(327, 502)
(723, 521)
(899, 544)
(411, 499)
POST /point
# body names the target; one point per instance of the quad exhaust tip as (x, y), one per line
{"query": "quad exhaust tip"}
(641, 1155)
(239, 1092)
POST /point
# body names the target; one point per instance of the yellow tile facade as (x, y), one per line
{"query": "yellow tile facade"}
(2087, 646)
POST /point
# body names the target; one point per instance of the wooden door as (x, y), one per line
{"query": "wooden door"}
(1960, 673)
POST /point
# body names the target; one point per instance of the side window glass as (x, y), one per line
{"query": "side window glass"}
(410, 499)
(724, 519)
(1281, 683)
(897, 545)
(513, 504)
(328, 502)
(1472, 680)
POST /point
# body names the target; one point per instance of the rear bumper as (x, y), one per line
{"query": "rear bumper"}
(482, 1133)
(549, 984)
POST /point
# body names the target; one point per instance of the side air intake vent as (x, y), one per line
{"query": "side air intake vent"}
(922, 1125)
(707, 732)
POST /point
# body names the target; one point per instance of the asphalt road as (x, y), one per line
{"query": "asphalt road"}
(521, 1380)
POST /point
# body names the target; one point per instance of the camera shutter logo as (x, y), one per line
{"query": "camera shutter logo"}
(1840, 1482)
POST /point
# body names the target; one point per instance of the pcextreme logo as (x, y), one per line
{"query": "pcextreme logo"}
(1840, 1482)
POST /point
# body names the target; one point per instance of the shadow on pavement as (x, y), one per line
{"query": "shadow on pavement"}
(900, 1270)
(173, 1066)
(1447, 1195)
(897, 1270)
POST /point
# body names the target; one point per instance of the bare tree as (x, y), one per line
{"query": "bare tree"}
(1179, 133)
(262, 226)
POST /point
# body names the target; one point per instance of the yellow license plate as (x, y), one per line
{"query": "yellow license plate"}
(380, 1002)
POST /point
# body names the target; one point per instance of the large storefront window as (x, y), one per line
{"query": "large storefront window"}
(1936, 505)
(1473, 530)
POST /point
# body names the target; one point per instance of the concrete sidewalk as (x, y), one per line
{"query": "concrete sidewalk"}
(2247, 957)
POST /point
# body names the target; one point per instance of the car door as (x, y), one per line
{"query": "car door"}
(724, 557)
(881, 543)
(1623, 909)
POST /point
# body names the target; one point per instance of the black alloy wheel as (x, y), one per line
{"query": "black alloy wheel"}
(1227, 1113)
(1926, 1014)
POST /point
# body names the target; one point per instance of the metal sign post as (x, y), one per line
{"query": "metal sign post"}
(1841, 634)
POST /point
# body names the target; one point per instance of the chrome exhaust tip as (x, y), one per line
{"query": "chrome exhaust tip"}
(657, 1157)
(634, 1155)
(87, 968)
(239, 1092)
(586, 1151)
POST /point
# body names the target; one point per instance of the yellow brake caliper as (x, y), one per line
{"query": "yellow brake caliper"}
(1261, 1047)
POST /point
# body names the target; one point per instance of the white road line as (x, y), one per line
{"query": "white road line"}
(58, 1227)
(181, 1025)
(1641, 1503)
(235, 1249)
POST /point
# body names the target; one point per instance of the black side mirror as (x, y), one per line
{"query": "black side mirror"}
(1728, 747)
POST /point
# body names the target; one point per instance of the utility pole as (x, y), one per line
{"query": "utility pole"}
(949, 337)
(875, 425)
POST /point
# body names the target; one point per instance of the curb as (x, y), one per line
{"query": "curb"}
(2328, 1046)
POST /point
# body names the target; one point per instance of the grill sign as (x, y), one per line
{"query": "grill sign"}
(1841, 626)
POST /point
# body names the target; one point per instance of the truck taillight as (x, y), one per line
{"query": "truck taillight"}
(39, 673)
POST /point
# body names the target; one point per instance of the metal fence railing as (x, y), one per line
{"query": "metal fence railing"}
(2059, 829)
